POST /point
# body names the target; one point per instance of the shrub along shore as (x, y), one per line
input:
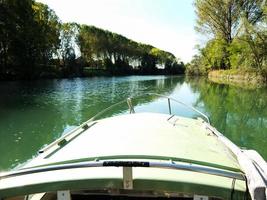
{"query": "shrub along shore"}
(247, 79)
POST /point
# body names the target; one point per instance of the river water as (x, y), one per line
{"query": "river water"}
(35, 113)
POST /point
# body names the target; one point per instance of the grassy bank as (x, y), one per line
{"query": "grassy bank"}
(244, 78)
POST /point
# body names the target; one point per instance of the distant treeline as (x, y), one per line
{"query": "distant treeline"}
(237, 32)
(34, 43)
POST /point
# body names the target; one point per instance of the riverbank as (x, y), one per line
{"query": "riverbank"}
(56, 73)
(246, 79)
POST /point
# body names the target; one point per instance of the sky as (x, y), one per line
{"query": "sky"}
(165, 24)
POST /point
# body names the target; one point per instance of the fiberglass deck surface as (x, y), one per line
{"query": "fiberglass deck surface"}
(149, 135)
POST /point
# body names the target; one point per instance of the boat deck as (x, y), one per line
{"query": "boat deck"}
(146, 137)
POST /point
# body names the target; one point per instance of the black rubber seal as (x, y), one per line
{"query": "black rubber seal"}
(125, 164)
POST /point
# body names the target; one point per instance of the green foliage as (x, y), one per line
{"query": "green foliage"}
(28, 37)
(120, 55)
(238, 31)
(46, 32)
(68, 37)
(196, 67)
(217, 17)
(214, 54)
(239, 51)
(34, 43)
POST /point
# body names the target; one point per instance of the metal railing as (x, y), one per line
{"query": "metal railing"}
(123, 163)
(90, 122)
(182, 103)
(169, 100)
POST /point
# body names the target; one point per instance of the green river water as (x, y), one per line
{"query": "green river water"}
(35, 113)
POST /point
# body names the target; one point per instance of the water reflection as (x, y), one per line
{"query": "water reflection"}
(35, 113)
(238, 113)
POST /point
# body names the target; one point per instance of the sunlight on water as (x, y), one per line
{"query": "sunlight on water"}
(33, 114)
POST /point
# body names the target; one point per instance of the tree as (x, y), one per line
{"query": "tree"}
(68, 37)
(220, 19)
(253, 30)
(118, 53)
(29, 37)
(237, 31)
(16, 20)
(47, 31)
(34, 43)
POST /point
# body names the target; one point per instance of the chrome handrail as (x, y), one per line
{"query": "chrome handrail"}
(127, 163)
(105, 110)
(182, 103)
(131, 107)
